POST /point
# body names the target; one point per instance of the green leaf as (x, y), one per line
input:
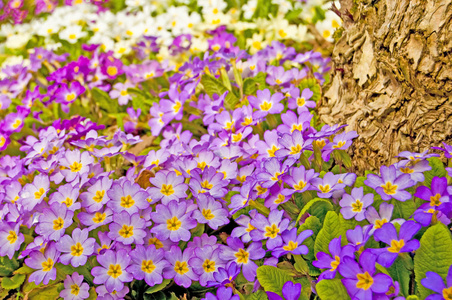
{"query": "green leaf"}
(312, 223)
(403, 210)
(8, 266)
(249, 86)
(173, 296)
(158, 287)
(292, 15)
(92, 294)
(47, 293)
(332, 228)
(317, 207)
(301, 265)
(104, 100)
(11, 283)
(258, 295)
(342, 156)
(313, 85)
(437, 170)
(434, 255)
(331, 290)
(24, 270)
(214, 86)
(272, 279)
(400, 273)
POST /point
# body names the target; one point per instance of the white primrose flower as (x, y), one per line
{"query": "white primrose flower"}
(72, 34)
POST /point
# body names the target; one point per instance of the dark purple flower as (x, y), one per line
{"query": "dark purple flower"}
(435, 282)
(335, 258)
(292, 243)
(290, 291)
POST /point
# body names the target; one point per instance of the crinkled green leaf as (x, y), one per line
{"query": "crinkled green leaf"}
(104, 100)
(400, 273)
(258, 295)
(47, 293)
(332, 228)
(214, 86)
(272, 279)
(301, 265)
(317, 207)
(437, 170)
(403, 210)
(8, 266)
(158, 287)
(332, 289)
(434, 255)
(249, 86)
(312, 223)
(11, 283)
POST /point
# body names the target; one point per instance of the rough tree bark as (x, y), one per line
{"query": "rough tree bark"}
(392, 77)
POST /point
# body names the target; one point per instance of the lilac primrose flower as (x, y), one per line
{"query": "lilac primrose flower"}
(112, 270)
(389, 185)
(168, 186)
(447, 150)
(335, 258)
(327, 185)
(205, 262)
(44, 263)
(243, 231)
(271, 172)
(94, 220)
(294, 145)
(438, 207)
(120, 92)
(340, 142)
(290, 291)
(359, 236)
(173, 221)
(208, 181)
(354, 205)
(239, 201)
(379, 219)
(416, 171)
(75, 288)
(292, 243)
(301, 102)
(33, 193)
(96, 195)
(415, 157)
(210, 211)
(270, 145)
(76, 249)
(179, 267)
(359, 279)
(10, 238)
(76, 164)
(403, 243)
(103, 294)
(292, 122)
(68, 195)
(223, 293)
(269, 228)
(243, 256)
(53, 221)
(128, 196)
(127, 229)
(299, 179)
(147, 263)
(266, 103)
(224, 276)
(435, 282)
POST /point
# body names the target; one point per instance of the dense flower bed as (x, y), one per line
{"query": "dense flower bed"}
(190, 163)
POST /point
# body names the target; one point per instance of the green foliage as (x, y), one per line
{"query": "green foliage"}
(158, 287)
(11, 283)
(259, 295)
(332, 289)
(49, 292)
(8, 266)
(433, 255)
(272, 279)
(317, 207)
(332, 228)
(438, 170)
(312, 223)
(214, 86)
(313, 85)
(104, 101)
(399, 272)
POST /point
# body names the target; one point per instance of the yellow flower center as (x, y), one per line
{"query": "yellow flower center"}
(126, 231)
(173, 223)
(17, 123)
(365, 281)
(247, 121)
(291, 246)
(124, 93)
(112, 71)
(99, 196)
(406, 170)
(275, 177)
(389, 188)
(147, 266)
(242, 256)
(241, 178)
(278, 81)
(76, 167)
(279, 199)
(335, 262)
(177, 106)
(301, 101)
(47, 265)
(324, 188)
(261, 190)
(156, 242)
(320, 143)
(114, 271)
(167, 190)
(72, 36)
(127, 201)
(207, 214)
(68, 202)
(396, 246)
(271, 231)
(357, 206)
(265, 106)
(208, 266)
(434, 200)
(301, 185)
(271, 152)
(205, 184)
(282, 33)
(326, 33)
(70, 97)
(77, 249)
(339, 145)
(237, 137)
(58, 223)
(201, 165)
(379, 223)
(250, 227)
(295, 149)
(447, 293)
(99, 217)
(12, 237)
(39, 193)
(181, 267)
(75, 289)
(298, 127)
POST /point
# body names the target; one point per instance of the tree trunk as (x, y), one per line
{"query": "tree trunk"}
(392, 78)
